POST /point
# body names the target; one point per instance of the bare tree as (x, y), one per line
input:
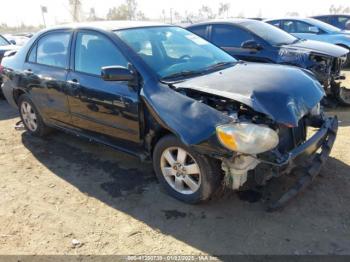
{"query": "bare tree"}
(224, 9)
(132, 9)
(206, 12)
(339, 9)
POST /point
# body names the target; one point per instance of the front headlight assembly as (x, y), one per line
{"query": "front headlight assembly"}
(247, 138)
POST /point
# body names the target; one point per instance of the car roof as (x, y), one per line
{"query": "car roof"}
(225, 21)
(110, 25)
(331, 15)
(303, 19)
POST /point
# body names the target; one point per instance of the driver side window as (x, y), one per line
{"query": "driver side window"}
(229, 36)
(94, 51)
(298, 27)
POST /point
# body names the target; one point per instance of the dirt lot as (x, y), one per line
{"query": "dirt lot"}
(61, 189)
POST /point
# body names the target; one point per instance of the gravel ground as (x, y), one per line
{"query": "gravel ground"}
(63, 195)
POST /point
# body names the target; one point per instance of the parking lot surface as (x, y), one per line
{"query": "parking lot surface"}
(64, 195)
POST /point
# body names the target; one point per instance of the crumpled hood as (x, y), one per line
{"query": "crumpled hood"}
(283, 93)
(318, 47)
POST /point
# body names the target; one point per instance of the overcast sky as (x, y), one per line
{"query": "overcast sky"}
(13, 12)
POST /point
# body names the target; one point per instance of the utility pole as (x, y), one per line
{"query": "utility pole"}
(75, 5)
(171, 15)
(43, 11)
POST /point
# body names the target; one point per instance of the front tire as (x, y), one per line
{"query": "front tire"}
(185, 174)
(31, 118)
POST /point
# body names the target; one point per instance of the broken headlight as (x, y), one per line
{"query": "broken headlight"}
(247, 138)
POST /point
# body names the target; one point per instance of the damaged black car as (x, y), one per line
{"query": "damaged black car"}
(164, 94)
(256, 41)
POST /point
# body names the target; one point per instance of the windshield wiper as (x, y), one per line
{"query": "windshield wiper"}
(219, 65)
(190, 73)
(182, 74)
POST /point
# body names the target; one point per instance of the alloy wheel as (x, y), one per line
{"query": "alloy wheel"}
(180, 170)
(29, 116)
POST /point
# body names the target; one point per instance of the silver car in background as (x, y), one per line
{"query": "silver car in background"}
(313, 29)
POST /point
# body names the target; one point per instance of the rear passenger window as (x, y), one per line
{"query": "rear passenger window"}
(230, 36)
(52, 50)
(94, 51)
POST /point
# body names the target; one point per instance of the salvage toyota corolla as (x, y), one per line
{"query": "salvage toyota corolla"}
(163, 93)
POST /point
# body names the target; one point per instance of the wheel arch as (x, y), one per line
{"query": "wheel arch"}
(16, 94)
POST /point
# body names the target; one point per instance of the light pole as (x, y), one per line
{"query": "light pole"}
(43, 11)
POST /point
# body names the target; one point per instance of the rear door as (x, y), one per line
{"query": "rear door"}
(44, 75)
(107, 109)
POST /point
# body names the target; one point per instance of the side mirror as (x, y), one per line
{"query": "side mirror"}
(347, 25)
(13, 42)
(251, 44)
(116, 73)
(314, 30)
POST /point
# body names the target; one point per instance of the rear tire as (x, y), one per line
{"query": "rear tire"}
(31, 118)
(185, 174)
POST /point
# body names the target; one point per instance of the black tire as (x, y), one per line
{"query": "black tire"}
(41, 129)
(210, 173)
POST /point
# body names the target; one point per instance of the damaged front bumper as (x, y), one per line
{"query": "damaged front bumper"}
(310, 155)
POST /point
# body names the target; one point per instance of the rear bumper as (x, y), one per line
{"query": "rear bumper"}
(311, 155)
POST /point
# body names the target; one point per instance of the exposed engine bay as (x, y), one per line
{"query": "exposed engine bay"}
(238, 166)
(327, 70)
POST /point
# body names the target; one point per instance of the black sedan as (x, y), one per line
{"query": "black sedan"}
(164, 94)
(257, 41)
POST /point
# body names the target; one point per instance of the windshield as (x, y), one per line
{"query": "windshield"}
(172, 51)
(3, 41)
(270, 33)
(322, 25)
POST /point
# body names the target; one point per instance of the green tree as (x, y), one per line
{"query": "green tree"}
(118, 13)
(126, 11)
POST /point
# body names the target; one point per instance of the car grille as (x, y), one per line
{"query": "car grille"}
(291, 138)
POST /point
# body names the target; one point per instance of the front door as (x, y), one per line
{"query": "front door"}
(107, 108)
(230, 38)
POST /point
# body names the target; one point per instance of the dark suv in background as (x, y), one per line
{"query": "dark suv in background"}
(256, 41)
(340, 21)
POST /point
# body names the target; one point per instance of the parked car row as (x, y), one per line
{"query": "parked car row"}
(5, 46)
(204, 118)
(256, 41)
(312, 29)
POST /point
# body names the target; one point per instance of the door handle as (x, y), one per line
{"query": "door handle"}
(28, 72)
(73, 82)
